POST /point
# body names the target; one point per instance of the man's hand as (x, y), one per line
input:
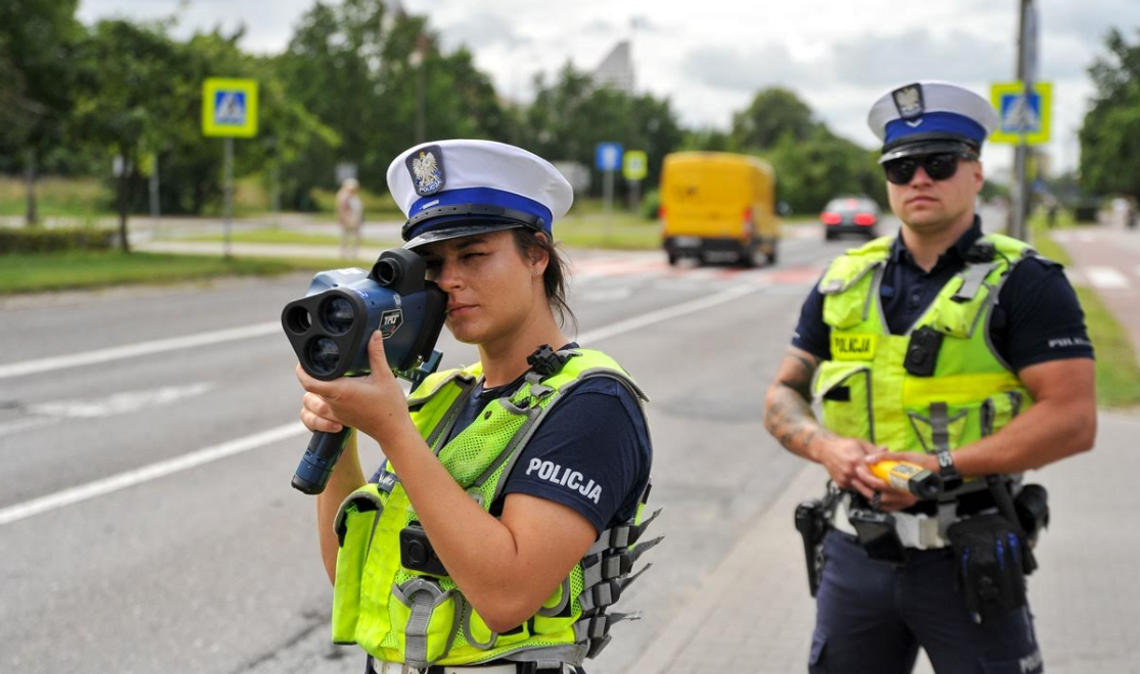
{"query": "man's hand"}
(842, 457)
(892, 499)
(375, 404)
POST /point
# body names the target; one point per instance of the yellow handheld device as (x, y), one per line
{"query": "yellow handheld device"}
(907, 476)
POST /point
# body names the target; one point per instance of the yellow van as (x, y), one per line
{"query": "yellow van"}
(718, 206)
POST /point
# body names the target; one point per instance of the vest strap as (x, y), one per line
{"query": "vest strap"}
(975, 276)
(468, 610)
(443, 429)
(561, 606)
(422, 596)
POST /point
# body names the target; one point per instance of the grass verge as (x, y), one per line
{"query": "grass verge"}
(619, 231)
(1117, 369)
(86, 269)
(277, 235)
(82, 198)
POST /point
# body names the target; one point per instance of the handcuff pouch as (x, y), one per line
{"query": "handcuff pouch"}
(989, 558)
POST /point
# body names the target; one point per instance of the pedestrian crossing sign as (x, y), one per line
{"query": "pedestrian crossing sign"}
(229, 107)
(1019, 115)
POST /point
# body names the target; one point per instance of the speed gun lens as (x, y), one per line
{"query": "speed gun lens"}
(339, 315)
(907, 476)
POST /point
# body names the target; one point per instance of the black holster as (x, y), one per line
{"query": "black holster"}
(812, 521)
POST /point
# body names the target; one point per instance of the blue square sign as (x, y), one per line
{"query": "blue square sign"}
(1013, 113)
(607, 157)
(229, 108)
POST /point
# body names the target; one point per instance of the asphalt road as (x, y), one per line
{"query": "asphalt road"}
(147, 438)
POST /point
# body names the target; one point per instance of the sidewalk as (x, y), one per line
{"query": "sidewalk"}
(754, 614)
(1107, 257)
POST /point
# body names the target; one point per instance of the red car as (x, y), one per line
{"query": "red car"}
(850, 215)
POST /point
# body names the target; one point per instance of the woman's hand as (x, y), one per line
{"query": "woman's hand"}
(374, 404)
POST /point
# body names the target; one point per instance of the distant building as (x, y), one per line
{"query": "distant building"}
(616, 69)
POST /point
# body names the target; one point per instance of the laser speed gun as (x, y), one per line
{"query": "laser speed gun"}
(329, 329)
(907, 476)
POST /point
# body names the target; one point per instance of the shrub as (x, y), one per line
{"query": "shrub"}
(41, 240)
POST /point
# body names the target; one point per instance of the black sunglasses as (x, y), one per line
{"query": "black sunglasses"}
(941, 166)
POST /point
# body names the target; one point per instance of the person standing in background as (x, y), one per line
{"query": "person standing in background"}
(350, 214)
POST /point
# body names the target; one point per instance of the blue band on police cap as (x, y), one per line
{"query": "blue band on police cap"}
(486, 196)
(935, 122)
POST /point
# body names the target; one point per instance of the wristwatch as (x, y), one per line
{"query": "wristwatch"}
(951, 478)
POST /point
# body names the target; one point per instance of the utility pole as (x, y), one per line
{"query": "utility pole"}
(418, 60)
(1026, 67)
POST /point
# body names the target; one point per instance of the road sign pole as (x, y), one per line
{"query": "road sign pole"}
(1025, 48)
(229, 190)
(154, 212)
(608, 197)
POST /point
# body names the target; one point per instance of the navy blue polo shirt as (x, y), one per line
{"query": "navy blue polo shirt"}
(591, 453)
(1037, 317)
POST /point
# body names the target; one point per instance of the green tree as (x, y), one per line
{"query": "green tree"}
(128, 93)
(707, 140)
(812, 170)
(140, 100)
(1110, 134)
(38, 39)
(355, 68)
(773, 114)
(570, 116)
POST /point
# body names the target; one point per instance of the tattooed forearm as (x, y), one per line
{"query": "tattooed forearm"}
(800, 382)
(788, 416)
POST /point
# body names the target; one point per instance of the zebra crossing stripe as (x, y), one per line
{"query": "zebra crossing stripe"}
(1106, 278)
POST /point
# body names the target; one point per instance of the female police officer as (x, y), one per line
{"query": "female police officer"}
(500, 527)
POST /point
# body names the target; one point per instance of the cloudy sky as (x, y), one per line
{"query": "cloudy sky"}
(709, 58)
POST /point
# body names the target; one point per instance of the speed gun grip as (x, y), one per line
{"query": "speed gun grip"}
(907, 476)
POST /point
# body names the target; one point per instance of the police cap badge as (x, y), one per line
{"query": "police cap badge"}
(426, 167)
(908, 101)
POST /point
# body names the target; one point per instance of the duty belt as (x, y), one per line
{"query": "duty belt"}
(383, 667)
(917, 529)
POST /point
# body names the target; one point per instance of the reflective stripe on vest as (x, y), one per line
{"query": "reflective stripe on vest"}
(865, 390)
(398, 615)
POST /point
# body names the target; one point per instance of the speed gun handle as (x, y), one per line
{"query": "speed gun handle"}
(907, 476)
(320, 457)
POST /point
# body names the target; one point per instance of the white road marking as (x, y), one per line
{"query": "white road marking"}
(637, 322)
(119, 403)
(130, 478)
(607, 295)
(154, 471)
(13, 427)
(44, 414)
(1106, 277)
(140, 349)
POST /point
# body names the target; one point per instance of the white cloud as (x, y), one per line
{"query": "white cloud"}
(709, 58)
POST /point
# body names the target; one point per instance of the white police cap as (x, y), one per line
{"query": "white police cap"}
(453, 188)
(930, 116)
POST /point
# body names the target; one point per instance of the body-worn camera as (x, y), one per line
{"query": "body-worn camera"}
(922, 351)
(329, 330)
(416, 552)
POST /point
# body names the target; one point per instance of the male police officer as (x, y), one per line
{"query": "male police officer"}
(961, 351)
